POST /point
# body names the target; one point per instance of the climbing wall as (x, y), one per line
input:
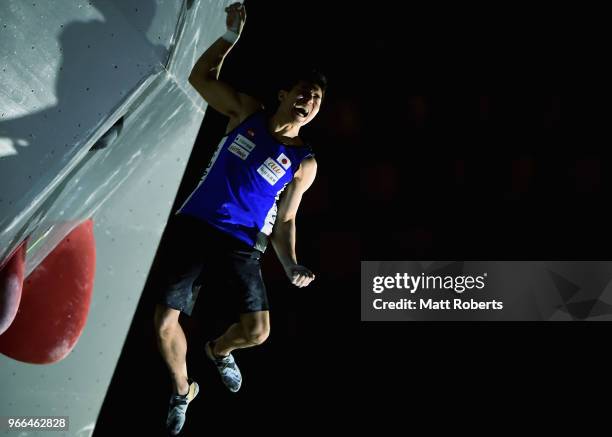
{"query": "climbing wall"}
(97, 122)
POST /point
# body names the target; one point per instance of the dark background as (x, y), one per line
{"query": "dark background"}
(446, 175)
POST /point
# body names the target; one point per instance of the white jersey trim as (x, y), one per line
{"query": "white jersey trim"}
(206, 171)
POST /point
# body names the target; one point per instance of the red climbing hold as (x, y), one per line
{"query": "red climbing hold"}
(55, 301)
(11, 284)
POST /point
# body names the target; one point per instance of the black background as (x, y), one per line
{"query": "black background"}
(447, 175)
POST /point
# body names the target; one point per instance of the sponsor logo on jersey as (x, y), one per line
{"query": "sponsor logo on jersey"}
(274, 167)
(244, 142)
(268, 174)
(238, 151)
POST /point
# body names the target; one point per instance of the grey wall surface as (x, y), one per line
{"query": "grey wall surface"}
(68, 76)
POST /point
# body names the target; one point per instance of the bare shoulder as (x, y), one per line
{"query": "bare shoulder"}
(307, 171)
(248, 106)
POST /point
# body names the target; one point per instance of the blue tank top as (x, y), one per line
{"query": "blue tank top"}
(240, 187)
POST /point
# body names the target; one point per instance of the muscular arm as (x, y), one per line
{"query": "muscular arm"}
(284, 232)
(204, 76)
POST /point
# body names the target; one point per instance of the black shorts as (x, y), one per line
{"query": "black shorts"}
(190, 252)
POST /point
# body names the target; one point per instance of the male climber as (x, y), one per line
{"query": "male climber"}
(249, 194)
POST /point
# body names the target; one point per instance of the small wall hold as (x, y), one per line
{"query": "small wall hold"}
(109, 136)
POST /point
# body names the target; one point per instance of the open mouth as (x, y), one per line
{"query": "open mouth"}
(302, 112)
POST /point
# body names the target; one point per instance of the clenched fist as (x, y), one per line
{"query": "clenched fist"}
(299, 276)
(236, 17)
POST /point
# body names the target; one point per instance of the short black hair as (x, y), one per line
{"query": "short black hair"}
(308, 75)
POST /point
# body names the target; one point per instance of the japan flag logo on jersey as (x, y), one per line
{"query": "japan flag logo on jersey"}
(284, 161)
